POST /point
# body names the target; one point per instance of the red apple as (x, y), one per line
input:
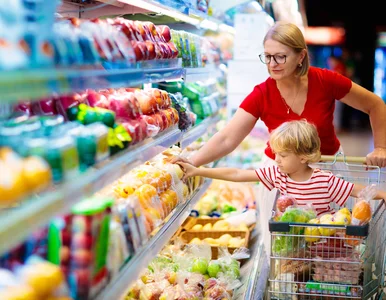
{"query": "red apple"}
(166, 99)
(139, 51)
(66, 237)
(157, 120)
(167, 53)
(25, 107)
(149, 36)
(173, 115)
(97, 99)
(146, 131)
(135, 129)
(153, 31)
(151, 49)
(156, 94)
(81, 240)
(174, 49)
(147, 104)
(64, 255)
(82, 257)
(165, 32)
(135, 108)
(120, 106)
(284, 201)
(67, 101)
(44, 107)
(140, 31)
(159, 53)
(165, 120)
(83, 277)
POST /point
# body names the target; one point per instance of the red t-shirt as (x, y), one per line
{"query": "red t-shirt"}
(324, 87)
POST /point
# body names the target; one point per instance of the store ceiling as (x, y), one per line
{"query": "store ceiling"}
(345, 12)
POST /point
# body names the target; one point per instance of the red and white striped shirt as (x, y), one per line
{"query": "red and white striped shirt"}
(320, 190)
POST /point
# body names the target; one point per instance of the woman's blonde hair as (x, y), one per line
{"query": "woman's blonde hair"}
(298, 137)
(290, 35)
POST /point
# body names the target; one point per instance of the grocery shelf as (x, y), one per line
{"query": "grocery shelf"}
(201, 74)
(17, 223)
(198, 131)
(35, 84)
(174, 9)
(120, 286)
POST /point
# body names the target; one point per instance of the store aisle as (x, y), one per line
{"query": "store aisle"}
(357, 143)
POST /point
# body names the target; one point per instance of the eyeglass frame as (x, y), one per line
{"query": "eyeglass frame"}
(274, 58)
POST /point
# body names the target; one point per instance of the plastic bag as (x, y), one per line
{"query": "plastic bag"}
(361, 212)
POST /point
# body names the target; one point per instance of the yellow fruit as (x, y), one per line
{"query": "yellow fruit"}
(221, 225)
(243, 227)
(44, 278)
(12, 184)
(326, 218)
(207, 227)
(312, 234)
(145, 194)
(342, 219)
(197, 227)
(172, 277)
(326, 231)
(212, 241)
(224, 239)
(18, 293)
(37, 173)
(196, 241)
(345, 211)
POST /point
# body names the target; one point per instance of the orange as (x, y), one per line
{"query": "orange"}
(146, 194)
(361, 213)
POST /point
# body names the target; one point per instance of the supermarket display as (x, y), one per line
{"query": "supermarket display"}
(97, 97)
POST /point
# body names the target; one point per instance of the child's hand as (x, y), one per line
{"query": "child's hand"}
(188, 169)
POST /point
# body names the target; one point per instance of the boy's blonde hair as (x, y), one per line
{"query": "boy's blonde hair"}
(298, 137)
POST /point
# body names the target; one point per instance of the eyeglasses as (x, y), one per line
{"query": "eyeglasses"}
(279, 59)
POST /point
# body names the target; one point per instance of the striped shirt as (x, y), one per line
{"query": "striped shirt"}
(320, 190)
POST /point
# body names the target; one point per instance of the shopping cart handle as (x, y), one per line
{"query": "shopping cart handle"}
(347, 159)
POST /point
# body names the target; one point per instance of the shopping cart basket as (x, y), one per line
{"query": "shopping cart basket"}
(347, 262)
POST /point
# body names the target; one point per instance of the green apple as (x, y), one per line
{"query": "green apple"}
(213, 269)
(200, 265)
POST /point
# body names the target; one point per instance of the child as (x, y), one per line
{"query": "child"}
(296, 144)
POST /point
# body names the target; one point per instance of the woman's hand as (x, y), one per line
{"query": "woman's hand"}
(177, 159)
(188, 169)
(377, 158)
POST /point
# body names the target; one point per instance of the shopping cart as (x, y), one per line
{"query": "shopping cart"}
(347, 262)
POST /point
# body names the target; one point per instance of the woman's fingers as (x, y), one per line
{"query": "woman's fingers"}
(377, 158)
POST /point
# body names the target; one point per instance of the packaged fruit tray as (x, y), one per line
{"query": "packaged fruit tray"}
(192, 221)
(217, 239)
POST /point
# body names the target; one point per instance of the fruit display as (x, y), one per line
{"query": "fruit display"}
(21, 177)
(224, 199)
(187, 272)
(37, 279)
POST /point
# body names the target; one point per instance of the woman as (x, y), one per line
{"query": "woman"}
(295, 91)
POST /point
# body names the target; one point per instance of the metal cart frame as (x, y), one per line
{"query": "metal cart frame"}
(347, 262)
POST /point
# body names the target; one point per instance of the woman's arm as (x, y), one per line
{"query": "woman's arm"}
(359, 187)
(228, 174)
(226, 140)
(370, 103)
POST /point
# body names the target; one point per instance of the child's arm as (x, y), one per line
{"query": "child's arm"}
(228, 174)
(359, 187)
